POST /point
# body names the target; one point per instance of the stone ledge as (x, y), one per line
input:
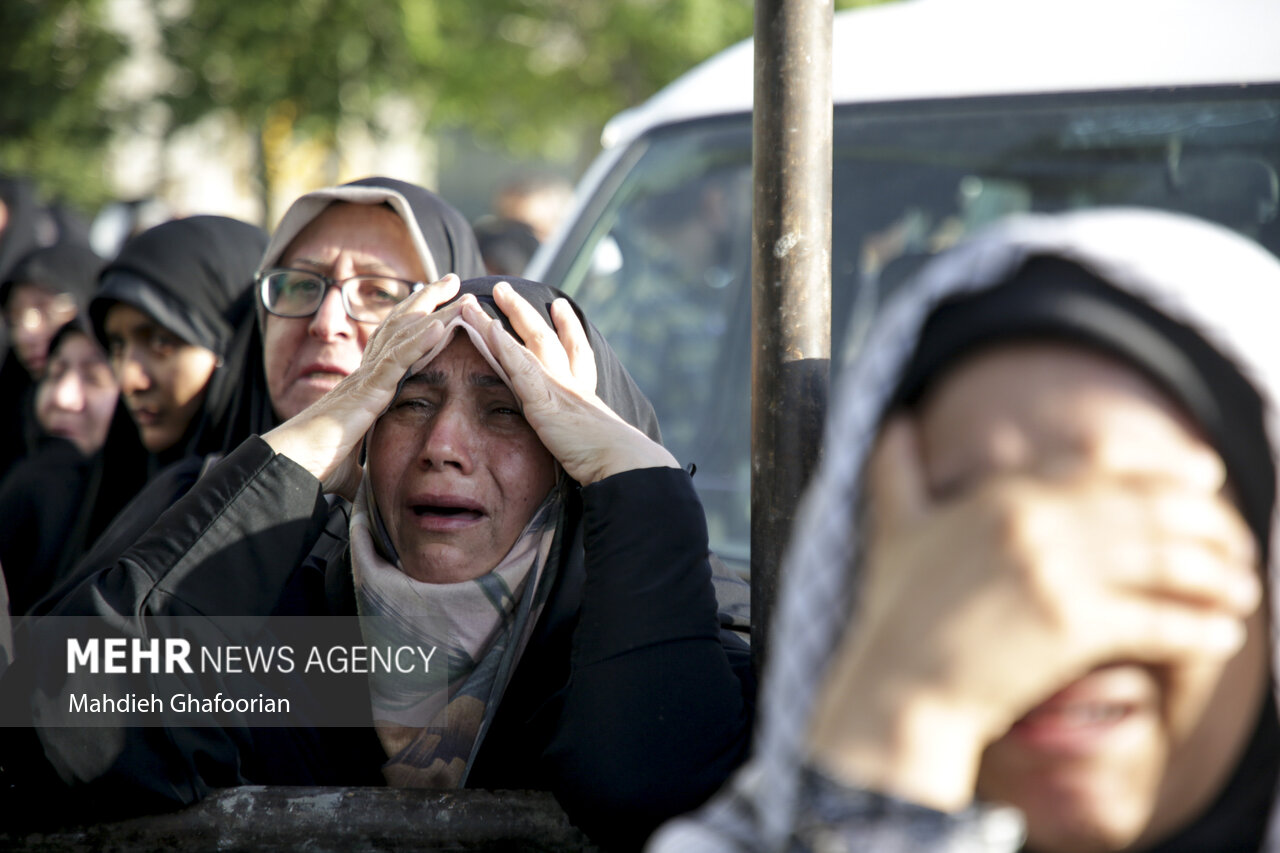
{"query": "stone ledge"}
(322, 819)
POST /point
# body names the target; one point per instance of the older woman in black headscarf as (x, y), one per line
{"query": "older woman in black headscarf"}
(514, 511)
(309, 323)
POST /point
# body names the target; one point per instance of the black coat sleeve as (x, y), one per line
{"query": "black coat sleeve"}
(128, 525)
(229, 547)
(38, 503)
(658, 709)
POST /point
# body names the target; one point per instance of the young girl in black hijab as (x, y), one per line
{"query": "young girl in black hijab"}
(168, 307)
(182, 285)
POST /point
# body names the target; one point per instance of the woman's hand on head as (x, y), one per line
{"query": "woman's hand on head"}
(325, 437)
(554, 376)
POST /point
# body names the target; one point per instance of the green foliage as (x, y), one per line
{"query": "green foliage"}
(521, 71)
(530, 68)
(528, 73)
(52, 125)
(318, 60)
(534, 75)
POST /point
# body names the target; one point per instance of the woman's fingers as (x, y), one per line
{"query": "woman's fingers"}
(1149, 450)
(1202, 576)
(1158, 631)
(590, 441)
(539, 338)
(412, 328)
(1052, 578)
(431, 297)
(526, 375)
(1186, 513)
(564, 351)
(413, 311)
(573, 337)
(1161, 539)
(527, 366)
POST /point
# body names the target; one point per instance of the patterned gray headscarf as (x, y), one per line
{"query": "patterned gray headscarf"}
(431, 727)
(1207, 277)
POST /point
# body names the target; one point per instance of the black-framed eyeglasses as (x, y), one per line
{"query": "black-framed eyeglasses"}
(287, 292)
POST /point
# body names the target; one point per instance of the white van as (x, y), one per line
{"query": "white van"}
(949, 113)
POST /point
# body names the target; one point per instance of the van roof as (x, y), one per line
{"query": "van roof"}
(917, 49)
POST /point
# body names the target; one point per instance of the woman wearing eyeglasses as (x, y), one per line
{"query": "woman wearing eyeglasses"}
(515, 522)
(340, 258)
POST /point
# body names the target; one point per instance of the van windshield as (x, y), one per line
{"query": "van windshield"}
(662, 261)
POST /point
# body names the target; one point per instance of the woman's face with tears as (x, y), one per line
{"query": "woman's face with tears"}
(456, 470)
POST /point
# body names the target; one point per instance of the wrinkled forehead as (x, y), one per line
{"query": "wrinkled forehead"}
(461, 341)
(315, 205)
(371, 229)
(461, 357)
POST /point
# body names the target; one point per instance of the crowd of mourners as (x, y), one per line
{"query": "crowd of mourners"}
(1025, 605)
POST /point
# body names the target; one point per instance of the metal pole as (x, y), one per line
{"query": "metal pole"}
(790, 278)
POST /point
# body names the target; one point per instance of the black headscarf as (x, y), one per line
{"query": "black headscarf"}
(506, 244)
(64, 267)
(186, 274)
(1051, 298)
(18, 236)
(516, 616)
(193, 276)
(45, 522)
